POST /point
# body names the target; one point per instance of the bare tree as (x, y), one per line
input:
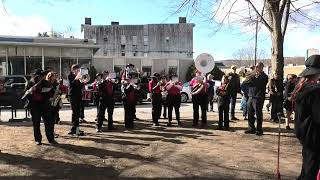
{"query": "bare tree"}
(274, 15)
(245, 56)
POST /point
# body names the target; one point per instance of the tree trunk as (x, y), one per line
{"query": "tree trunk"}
(277, 59)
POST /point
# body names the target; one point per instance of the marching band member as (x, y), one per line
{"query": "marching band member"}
(39, 92)
(174, 98)
(199, 98)
(164, 94)
(106, 91)
(223, 93)
(75, 95)
(154, 89)
(234, 90)
(211, 92)
(129, 102)
(96, 92)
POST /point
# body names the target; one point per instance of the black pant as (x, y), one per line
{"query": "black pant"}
(82, 109)
(105, 103)
(210, 101)
(233, 103)
(255, 106)
(55, 114)
(223, 107)
(310, 164)
(173, 101)
(164, 105)
(199, 100)
(75, 102)
(276, 106)
(96, 99)
(129, 114)
(156, 107)
(45, 112)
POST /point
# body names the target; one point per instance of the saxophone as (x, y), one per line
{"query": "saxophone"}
(56, 97)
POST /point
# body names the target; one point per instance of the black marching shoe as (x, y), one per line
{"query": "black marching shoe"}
(112, 128)
(288, 128)
(250, 131)
(38, 143)
(53, 142)
(259, 133)
(234, 118)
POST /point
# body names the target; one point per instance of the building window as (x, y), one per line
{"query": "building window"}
(146, 71)
(172, 70)
(145, 54)
(123, 49)
(145, 40)
(135, 53)
(118, 71)
(134, 40)
(123, 39)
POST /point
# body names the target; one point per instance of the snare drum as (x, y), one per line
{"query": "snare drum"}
(86, 95)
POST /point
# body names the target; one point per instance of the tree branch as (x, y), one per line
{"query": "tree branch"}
(286, 19)
(262, 18)
(283, 5)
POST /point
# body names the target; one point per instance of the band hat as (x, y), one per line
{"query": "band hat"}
(312, 66)
(37, 72)
(233, 67)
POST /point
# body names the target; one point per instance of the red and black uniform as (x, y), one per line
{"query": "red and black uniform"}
(156, 98)
(40, 107)
(96, 95)
(75, 97)
(199, 99)
(224, 97)
(174, 100)
(106, 94)
(129, 104)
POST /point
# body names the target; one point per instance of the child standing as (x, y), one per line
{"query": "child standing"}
(223, 93)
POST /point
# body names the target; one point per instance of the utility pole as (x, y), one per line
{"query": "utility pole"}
(256, 42)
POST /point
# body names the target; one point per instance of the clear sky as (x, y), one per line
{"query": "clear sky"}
(27, 17)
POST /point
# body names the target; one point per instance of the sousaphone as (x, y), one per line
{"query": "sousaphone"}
(204, 63)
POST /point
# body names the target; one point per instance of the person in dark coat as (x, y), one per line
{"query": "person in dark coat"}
(40, 90)
(75, 96)
(106, 94)
(223, 93)
(257, 84)
(288, 89)
(211, 93)
(234, 90)
(276, 96)
(306, 101)
(156, 97)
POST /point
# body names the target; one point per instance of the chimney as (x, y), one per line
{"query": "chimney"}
(114, 23)
(182, 20)
(87, 21)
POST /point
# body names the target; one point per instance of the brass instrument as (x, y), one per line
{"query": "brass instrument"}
(196, 88)
(56, 98)
(85, 77)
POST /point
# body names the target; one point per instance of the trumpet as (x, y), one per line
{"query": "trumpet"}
(85, 77)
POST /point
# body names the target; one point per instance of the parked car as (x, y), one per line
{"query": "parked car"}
(12, 88)
(186, 92)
